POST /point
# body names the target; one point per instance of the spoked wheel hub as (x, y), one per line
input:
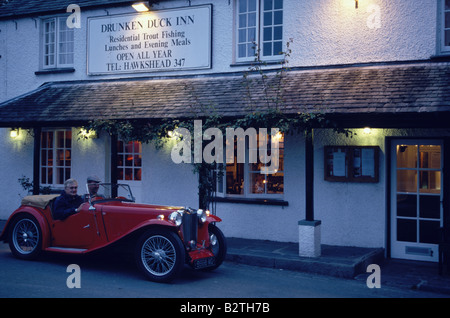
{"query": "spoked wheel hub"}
(25, 238)
(160, 255)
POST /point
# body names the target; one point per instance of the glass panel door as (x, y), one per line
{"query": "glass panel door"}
(416, 199)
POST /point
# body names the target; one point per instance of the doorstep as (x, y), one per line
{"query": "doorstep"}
(338, 261)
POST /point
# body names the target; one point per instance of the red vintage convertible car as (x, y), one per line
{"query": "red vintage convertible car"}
(164, 238)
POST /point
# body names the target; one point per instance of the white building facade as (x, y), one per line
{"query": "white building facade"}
(378, 68)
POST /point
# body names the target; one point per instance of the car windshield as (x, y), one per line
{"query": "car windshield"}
(110, 191)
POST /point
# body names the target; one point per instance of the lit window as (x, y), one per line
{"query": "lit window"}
(259, 25)
(129, 160)
(247, 180)
(58, 44)
(272, 182)
(56, 156)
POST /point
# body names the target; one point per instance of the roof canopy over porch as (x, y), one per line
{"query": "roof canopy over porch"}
(404, 95)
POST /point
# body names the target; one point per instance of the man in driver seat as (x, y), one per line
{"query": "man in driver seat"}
(69, 202)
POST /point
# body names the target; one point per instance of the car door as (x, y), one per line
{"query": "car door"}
(80, 230)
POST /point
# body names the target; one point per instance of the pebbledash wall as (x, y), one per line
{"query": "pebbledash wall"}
(324, 33)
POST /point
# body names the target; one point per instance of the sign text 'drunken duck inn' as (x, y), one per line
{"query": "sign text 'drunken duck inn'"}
(163, 40)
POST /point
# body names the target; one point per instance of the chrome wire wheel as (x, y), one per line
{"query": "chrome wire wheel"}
(25, 237)
(158, 255)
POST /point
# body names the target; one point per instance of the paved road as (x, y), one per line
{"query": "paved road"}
(106, 275)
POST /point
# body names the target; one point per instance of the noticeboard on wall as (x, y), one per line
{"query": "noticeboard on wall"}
(351, 163)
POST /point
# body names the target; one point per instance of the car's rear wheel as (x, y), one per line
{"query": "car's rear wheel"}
(160, 255)
(25, 237)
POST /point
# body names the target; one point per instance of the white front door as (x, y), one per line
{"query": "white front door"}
(416, 198)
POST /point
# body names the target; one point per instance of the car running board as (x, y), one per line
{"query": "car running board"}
(71, 250)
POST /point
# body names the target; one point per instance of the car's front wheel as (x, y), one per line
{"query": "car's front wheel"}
(160, 255)
(218, 245)
(25, 237)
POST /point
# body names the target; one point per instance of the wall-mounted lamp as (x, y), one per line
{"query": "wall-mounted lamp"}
(367, 130)
(91, 134)
(172, 134)
(14, 133)
(356, 4)
(141, 6)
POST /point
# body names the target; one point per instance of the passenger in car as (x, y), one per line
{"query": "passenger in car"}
(93, 186)
(69, 202)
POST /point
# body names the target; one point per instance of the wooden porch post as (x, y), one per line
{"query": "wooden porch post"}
(309, 175)
(36, 160)
(113, 167)
(309, 237)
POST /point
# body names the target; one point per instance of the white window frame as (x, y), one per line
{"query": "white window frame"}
(54, 150)
(244, 33)
(221, 178)
(443, 11)
(126, 153)
(57, 43)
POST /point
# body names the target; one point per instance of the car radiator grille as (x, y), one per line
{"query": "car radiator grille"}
(190, 225)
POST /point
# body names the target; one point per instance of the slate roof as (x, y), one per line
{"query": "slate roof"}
(385, 92)
(17, 8)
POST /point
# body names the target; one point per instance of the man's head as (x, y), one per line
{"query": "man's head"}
(93, 184)
(71, 186)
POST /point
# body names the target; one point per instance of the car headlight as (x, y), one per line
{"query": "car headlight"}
(176, 217)
(201, 214)
(213, 240)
